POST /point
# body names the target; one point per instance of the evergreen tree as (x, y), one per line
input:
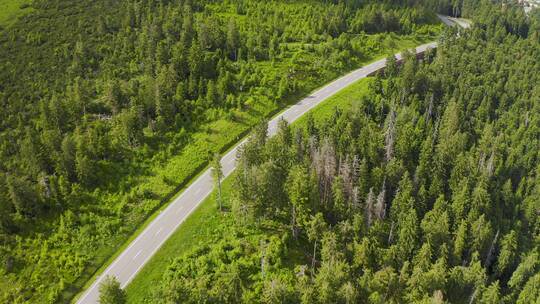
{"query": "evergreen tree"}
(110, 292)
(217, 174)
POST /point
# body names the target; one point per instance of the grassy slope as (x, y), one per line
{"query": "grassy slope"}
(205, 223)
(11, 9)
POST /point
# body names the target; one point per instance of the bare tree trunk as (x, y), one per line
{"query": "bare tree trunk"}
(391, 234)
(473, 296)
(491, 250)
(263, 257)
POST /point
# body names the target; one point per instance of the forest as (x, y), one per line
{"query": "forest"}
(110, 107)
(425, 190)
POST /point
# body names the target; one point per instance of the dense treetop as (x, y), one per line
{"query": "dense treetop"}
(108, 106)
(425, 191)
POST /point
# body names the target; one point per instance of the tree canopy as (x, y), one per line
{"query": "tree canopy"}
(424, 191)
(110, 107)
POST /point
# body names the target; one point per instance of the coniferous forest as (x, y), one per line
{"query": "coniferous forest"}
(427, 189)
(108, 108)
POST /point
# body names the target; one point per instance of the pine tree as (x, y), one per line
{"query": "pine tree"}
(298, 192)
(217, 174)
(233, 40)
(110, 292)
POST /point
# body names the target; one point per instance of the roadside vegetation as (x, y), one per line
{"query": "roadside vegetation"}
(421, 187)
(110, 107)
(206, 224)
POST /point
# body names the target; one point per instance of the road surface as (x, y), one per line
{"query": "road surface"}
(451, 21)
(127, 264)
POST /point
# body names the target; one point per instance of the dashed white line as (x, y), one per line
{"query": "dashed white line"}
(159, 230)
(190, 203)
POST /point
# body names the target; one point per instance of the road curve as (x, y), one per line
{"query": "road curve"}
(133, 258)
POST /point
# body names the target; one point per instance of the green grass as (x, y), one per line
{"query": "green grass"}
(206, 223)
(342, 100)
(133, 192)
(11, 9)
(174, 168)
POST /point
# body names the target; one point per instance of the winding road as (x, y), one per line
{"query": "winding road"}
(134, 257)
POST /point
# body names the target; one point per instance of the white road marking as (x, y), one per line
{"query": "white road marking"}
(139, 252)
(204, 182)
(159, 230)
(124, 284)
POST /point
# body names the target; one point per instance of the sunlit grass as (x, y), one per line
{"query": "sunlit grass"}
(206, 223)
(11, 9)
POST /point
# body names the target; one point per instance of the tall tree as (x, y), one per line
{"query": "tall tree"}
(233, 39)
(298, 191)
(315, 230)
(110, 292)
(217, 174)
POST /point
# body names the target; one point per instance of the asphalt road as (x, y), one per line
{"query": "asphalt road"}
(450, 21)
(126, 266)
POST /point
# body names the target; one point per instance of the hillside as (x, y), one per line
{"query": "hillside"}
(110, 107)
(421, 186)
